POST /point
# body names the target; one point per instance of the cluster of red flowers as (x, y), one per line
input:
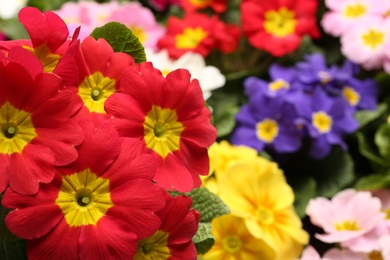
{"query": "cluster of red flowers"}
(276, 26)
(91, 141)
(198, 32)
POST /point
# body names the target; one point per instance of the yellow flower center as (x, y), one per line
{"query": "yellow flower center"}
(139, 32)
(162, 130)
(375, 255)
(165, 72)
(347, 225)
(324, 76)
(280, 23)
(94, 91)
(355, 11)
(351, 95)
(231, 244)
(373, 38)
(200, 3)
(153, 247)
(265, 216)
(322, 121)
(17, 129)
(278, 84)
(190, 38)
(267, 130)
(49, 60)
(84, 198)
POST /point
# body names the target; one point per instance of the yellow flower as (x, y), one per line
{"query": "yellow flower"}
(234, 242)
(222, 156)
(256, 190)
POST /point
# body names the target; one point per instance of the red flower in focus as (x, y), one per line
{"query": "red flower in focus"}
(49, 42)
(168, 114)
(95, 208)
(36, 132)
(99, 73)
(173, 240)
(197, 33)
(218, 6)
(277, 26)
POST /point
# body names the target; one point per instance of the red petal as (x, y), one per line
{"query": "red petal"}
(4, 171)
(109, 239)
(25, 58)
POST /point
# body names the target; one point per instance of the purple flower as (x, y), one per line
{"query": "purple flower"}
(282, 80)
(267, 122)
(328, 120)
(360, 94)
(314, 73)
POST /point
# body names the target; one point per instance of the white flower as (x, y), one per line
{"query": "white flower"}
(9, 9)
(209, 77)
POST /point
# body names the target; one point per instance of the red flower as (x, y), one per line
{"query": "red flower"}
(49, 42)
(173, 240)
(277, 26)
(218, 6)
(169, 116)
(36, 132)
(198, 33)
(99, 73)
(95, 208)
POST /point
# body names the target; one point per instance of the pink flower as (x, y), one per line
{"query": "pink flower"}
(345, 254)
(365, 42)
(311, 254)
(343, 14)
(141, 21)
(348, 215)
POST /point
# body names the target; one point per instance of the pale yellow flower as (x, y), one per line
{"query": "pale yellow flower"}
(234, 242)
(256, 190)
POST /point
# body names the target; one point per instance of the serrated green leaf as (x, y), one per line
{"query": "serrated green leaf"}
(368, 151)
(208, 204)
(203, 238)
(121, 39)
(304, 190)
(373, 182)
(382, 140)
(333, 173)
(364, 117)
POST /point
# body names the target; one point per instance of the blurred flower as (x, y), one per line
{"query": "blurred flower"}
(327, 119)
(349, 214)
(278, 26)
(233, 241)
(87, 14)
(198, 33)
(256, 190)
(267, 123)
(343, 15)
(366, 42)
(141, 22)
(10, 9)
(36, 132)
(99, 73)
(163, 5)
(209, 77)
(169, 116)
(218, 6)
(93, 208)
(311, 254)
(344, 254)
(172, 240)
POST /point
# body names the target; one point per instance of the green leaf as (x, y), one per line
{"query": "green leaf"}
(304, 189)
(368, 150)
(5, 234)
(11, 250)
(208, 204)
(203, 238)
(382, 140)
(121, 39)
(333, 173)
(373, 182)
(364, 117)
(13, 29)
